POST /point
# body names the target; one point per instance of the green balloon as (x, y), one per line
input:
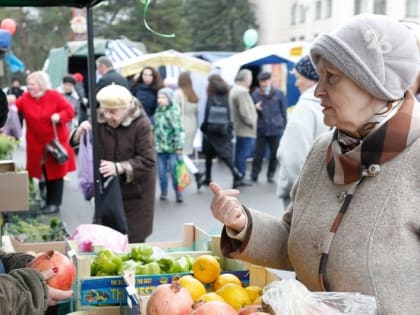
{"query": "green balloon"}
(250, 37)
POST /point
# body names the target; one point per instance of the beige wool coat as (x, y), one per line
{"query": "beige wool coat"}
(243, 112)
(376, 250)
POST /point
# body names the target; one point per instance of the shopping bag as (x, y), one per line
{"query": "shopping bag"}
(111, 210)
(85, 174)
(182, 175)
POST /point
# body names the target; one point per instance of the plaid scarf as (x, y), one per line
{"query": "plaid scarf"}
(383, 137)
(351, 158)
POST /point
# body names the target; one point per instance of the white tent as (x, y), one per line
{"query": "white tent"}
(285, 53)
(259, 55)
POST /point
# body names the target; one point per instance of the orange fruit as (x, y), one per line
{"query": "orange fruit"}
(211, 296)
(206, 268)
(234, 295)
(194, 287)
(225, 278)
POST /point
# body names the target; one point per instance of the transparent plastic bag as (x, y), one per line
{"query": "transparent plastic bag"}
(290, 297)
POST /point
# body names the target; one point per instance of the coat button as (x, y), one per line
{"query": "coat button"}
(341, 196)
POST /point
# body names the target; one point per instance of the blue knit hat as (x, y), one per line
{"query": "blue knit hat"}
(305, 68)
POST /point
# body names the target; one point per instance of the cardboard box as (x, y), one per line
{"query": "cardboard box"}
(110, 290)
(14, 188)
(11, 245)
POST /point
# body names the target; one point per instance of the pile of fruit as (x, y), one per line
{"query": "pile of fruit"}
(188, 295)
(143, 259)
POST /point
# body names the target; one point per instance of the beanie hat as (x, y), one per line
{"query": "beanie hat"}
(306, 69)
(78, 77)
(265, 75)
(377, 52)
(114, 96)
(69, 79)
(168, 93)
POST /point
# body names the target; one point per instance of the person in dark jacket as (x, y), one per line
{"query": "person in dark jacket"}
(127, 148)
(145, 89)
(16, 90)
(272, 118)
(108, 74)
(217, 144)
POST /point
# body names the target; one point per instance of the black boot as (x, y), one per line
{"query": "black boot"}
(50, 209)
(199, 179)
(238, 179)
(209, 164)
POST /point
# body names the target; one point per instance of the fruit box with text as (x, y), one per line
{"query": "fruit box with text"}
(110, 290)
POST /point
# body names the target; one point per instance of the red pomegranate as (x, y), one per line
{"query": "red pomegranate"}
(170, 298)
(66, 274)
(213, 308)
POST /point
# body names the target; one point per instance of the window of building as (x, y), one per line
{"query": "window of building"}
(360, 6)
(412, 7)
(302, 14)
(293, 14)
(379, 6)
(318, 9)
(292, 39)
(328, 8)
(302, 37)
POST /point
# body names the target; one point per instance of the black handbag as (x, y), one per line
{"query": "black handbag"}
(56, 149)
(112, 212)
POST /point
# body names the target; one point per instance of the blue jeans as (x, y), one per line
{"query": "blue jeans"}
(166, 164)
(243, 150)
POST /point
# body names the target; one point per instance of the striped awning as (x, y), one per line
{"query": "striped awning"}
(120, 51)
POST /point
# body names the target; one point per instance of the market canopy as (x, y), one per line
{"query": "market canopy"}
(165, 58)
(285, 53)
(48, 3)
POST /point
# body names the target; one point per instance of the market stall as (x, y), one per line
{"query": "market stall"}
(286, 54)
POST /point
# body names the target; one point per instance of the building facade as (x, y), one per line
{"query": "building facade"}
(292, 20)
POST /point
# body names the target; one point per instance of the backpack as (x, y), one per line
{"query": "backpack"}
(218, 122)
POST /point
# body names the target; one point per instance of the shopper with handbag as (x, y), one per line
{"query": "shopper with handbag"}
(44, 109)
(127, 149)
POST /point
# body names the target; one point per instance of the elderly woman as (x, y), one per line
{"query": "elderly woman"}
(127, 148)
(353, 223)
(43, 107)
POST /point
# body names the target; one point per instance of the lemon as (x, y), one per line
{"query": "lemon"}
(225, 278)
(206, 268)
(211, 296)
(234, 295)
(258, 300)
(194, 287)
(253, 292)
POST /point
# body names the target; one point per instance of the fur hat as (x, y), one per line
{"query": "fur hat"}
(168, 93)
(114, 96)
(375, 51)
(306, 69)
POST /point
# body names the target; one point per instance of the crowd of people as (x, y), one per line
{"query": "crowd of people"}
(347, 156)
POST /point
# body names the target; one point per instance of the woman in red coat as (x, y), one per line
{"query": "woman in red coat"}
(41, 106)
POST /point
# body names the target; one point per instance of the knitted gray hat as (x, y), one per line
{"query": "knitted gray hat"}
(168, 93)
(377, 52)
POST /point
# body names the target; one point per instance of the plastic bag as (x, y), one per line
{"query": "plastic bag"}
(88, 235)
(85, 166)
(290, 297)
(182, 175)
